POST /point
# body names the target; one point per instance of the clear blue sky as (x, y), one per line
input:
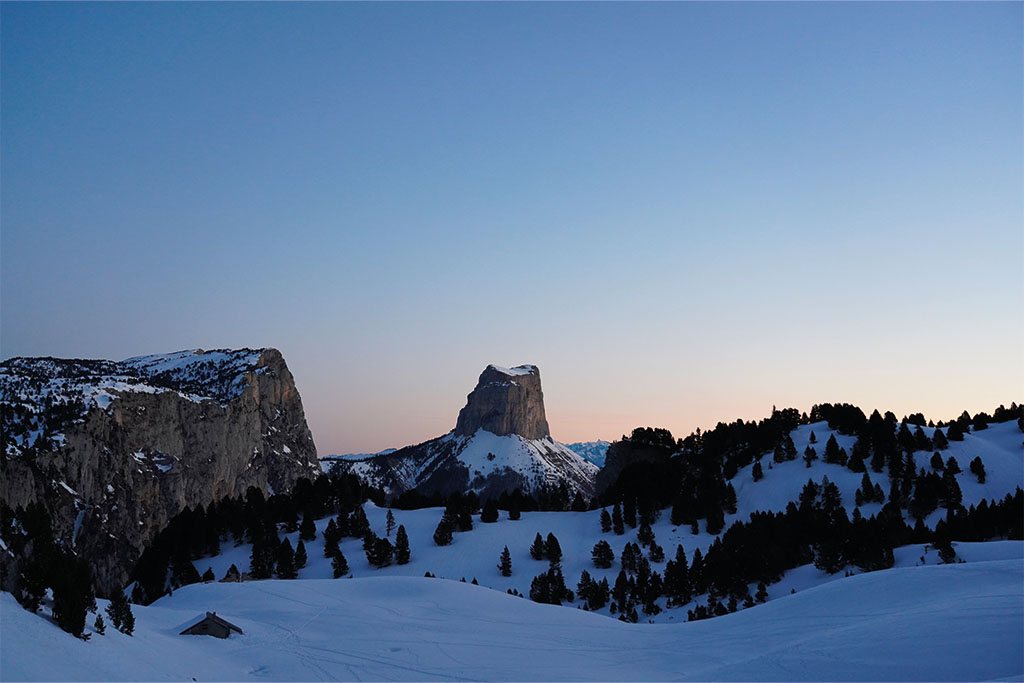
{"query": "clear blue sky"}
(683, 213)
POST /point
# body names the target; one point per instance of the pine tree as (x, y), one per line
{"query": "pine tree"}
(383, 552)
(402, 551)
(208, 575)
(978, 469)
(307, 532)
(629, 511)
(758, 472)
(936, 461)
(339, 565)
(832, 450)
(232, 574)
(952, 466)
(120, 613)
(810, 455)
(939, 441)
(584, 588)
(606, 521)
(72, 594)
(645, 534)
(300, 555)
(513, 509)
(98, 625)
(443, 532)
(489, 514)
(602, 555)
(286, 561)
(505, 562)
(537, 549)
(617, 522)
(813, 439)
(389, 523)
(552, 550)
(657, 553)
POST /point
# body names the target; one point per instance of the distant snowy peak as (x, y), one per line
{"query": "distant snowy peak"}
(356, 456)
(593, 451)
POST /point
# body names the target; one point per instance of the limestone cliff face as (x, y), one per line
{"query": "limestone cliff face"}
(142, 439)
(501, 442)
(505, 401)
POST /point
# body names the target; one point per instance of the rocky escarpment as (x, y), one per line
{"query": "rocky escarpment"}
(505, 401)
(501, 442)
(115, 450)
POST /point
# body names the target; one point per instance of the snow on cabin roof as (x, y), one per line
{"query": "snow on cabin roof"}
(518, 370)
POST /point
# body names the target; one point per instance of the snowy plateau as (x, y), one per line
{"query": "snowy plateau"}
(921, 620)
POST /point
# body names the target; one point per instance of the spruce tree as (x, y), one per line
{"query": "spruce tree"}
(232, 574)
(443, 532)
(758, 471)
(645, 534)
(300, 555)
(629, 511)
(939, 441)
(384, 552)
(389, 523)
(402, 551)
(339, 565)
(936, 461)
(606, 521)
(489, 513)
(286, 561)
(813, 439)
(99, 626)
(617, 523)
(552, 550)
(602, 555)
(978, 469)
(307, 532)
(208, 575)
(952, 466)
(537, 549)
(505, 562)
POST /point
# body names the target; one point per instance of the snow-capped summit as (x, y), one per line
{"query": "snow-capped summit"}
(501, 442)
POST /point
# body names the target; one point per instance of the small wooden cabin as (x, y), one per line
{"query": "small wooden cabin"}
(211, 625)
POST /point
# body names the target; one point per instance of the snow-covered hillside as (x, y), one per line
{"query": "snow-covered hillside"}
(594, 451)
(483, 462)
(999, 448)
(945, 623)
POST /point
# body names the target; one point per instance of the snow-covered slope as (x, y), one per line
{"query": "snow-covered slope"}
(482, 462)
(594, 451)
(945, 623)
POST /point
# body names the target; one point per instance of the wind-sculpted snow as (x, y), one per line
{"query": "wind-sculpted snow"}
(937, 623)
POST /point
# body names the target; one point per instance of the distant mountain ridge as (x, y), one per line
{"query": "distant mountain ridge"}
(501, 442)
(594, 451)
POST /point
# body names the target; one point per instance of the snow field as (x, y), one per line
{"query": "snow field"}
(929, 623)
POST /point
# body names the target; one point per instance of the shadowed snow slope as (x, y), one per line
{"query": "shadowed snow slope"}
(933, 623)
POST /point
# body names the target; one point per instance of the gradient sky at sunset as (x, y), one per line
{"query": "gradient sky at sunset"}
(682, 213)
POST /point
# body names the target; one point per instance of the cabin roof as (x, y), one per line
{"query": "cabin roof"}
(212, 617)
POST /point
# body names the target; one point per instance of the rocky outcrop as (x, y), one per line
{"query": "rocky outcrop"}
(115, 450)
(501, 442)
(505, 401)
